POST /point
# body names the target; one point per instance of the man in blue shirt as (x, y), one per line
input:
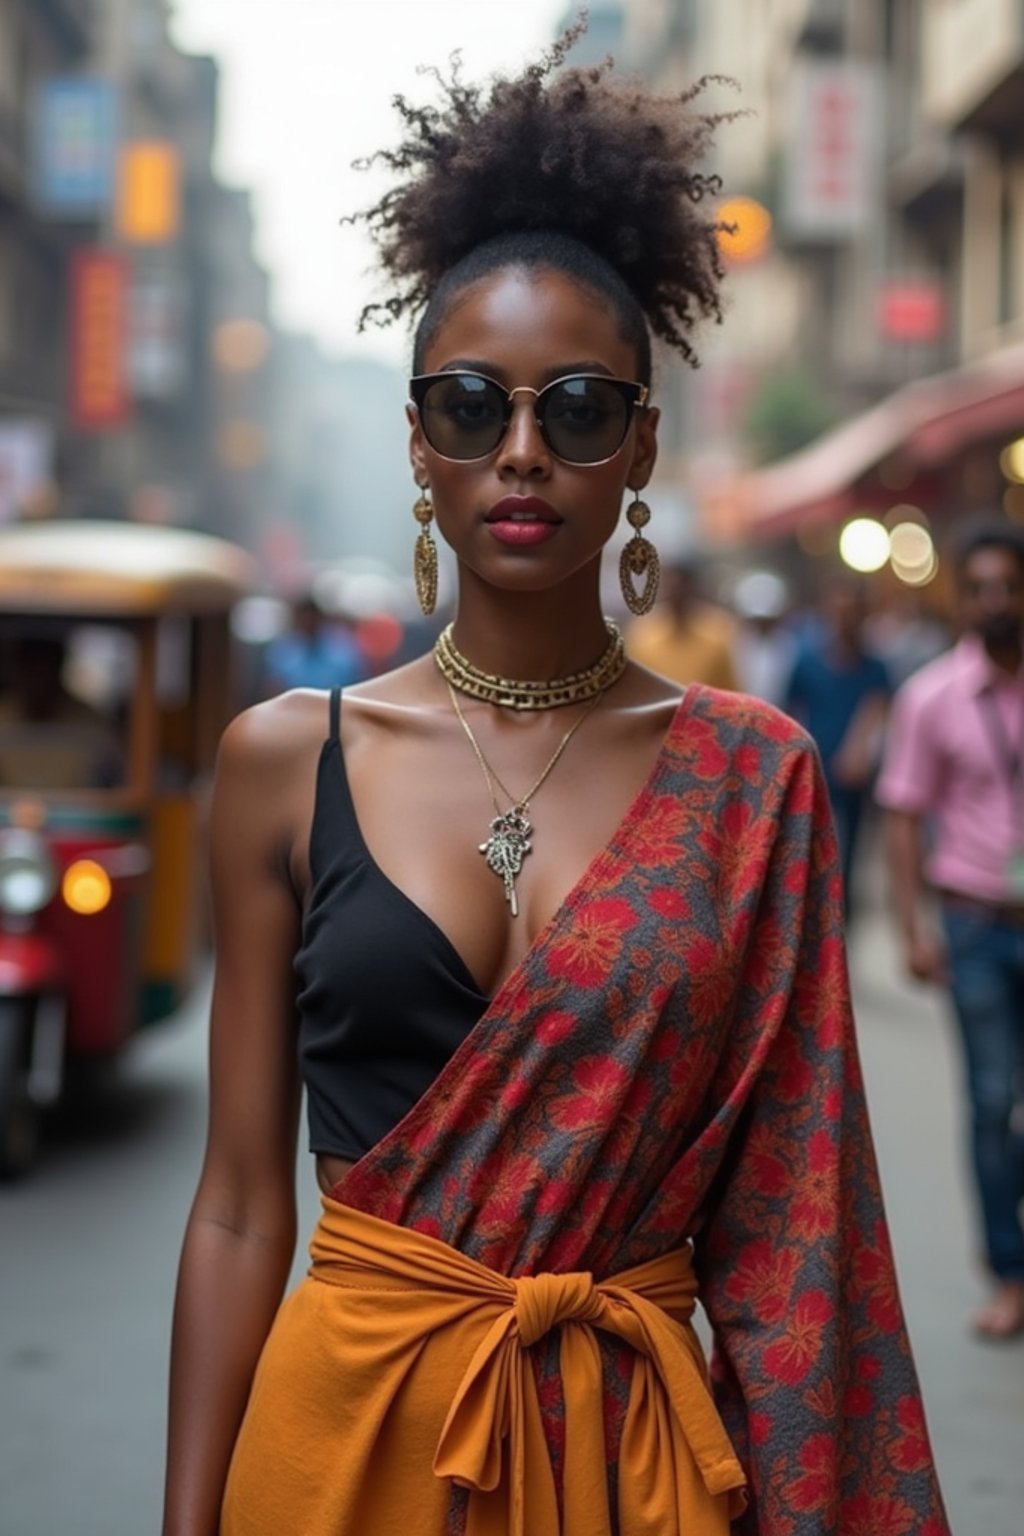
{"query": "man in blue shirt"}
(315, 653)
(841, 694)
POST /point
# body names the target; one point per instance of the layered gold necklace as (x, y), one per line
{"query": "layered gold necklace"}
(577, 688)
(510, 831)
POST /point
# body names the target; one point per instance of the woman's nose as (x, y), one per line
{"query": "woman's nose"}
(523, 449)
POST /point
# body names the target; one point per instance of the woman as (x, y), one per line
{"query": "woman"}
(556, 1089)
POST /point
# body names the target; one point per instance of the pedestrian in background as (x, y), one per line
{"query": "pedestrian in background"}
(765, 647)
(840, 692)
(685, 638)
(315, 652)
(953, 788)
(905, 635)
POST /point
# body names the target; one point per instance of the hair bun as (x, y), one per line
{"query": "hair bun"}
(573, 152)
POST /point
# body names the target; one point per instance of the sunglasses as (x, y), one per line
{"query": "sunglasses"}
(582, 418)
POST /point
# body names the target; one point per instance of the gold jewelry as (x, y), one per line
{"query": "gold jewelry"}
(424, 565)
(639, 558)
(576, 688)
(509, 841)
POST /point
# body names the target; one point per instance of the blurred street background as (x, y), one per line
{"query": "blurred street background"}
(179, 350)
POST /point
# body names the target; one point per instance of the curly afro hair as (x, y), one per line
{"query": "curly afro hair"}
(562, 168)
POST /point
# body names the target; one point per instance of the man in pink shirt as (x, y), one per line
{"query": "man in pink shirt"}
(953, 786)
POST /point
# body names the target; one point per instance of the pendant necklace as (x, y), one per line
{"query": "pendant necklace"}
(509, 840)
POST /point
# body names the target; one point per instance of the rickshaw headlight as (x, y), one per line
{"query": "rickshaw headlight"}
(28, 877)
(86, 887)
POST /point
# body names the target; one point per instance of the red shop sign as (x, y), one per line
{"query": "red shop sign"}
(99, 396)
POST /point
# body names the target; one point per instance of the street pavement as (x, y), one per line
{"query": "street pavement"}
(973, 1391)
(89, 1246)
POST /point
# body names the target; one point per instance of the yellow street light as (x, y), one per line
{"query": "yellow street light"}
(86, 887)
(1011, 461)
(751, 233)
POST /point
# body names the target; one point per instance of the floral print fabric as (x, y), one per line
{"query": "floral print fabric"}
(675, 1058)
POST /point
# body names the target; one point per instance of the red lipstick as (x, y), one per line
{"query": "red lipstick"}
(522, 520)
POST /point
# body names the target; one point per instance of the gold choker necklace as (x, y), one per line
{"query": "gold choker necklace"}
(577, 688)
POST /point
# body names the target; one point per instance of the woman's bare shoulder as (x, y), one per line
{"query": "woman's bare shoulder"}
(264, 788)
(270, 749)
(278, 728)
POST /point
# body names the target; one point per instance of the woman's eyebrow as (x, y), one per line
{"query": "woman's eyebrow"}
(474, 365)
(584, 365)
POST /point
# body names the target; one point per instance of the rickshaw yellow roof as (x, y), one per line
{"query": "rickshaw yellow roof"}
(118, 568)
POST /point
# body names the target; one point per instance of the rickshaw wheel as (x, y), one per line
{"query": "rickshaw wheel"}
(19, 1119)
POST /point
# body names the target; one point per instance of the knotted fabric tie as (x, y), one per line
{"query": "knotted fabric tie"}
(545, 1300)
(677, 1472)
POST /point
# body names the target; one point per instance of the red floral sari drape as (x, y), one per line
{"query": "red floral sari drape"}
(675, 1058)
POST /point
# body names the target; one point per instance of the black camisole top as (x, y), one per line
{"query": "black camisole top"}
(384, 997)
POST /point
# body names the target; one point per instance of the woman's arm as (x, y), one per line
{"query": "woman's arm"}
(241, 1231)
(812, 1367)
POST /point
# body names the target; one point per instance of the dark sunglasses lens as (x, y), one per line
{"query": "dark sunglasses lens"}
(463, 416)
(585, 420)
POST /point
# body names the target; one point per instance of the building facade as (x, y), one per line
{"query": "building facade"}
(122, 260)
(943, 433)
(871, 356)
(36, 42)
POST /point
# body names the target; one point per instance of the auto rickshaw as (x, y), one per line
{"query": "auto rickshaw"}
(115, 683)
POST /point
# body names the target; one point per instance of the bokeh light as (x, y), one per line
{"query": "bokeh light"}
(905, 512)
(752, 232)
(86, 887)
(240, 346)
(864, 545)
(1011, 461)
(910, 545)
(1013, 502)
(912, 553)
(921, 575)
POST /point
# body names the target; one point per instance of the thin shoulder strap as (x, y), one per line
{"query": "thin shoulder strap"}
(335, 713)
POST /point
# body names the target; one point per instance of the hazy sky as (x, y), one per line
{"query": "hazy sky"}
(306, 87)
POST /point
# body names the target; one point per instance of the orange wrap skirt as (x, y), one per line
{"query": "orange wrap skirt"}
(400, 1367)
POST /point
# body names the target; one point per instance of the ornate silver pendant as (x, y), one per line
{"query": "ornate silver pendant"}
(506, 848)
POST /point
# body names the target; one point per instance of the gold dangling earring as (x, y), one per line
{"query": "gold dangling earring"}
(639, 558)
(424, 565)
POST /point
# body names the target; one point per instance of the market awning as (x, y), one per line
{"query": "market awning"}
(926, 423)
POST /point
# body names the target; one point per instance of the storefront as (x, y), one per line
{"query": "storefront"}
(931, 453)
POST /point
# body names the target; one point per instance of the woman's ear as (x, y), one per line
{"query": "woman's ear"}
(416, 451)
(645, 450)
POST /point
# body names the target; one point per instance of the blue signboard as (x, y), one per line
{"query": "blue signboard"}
(74, 143)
